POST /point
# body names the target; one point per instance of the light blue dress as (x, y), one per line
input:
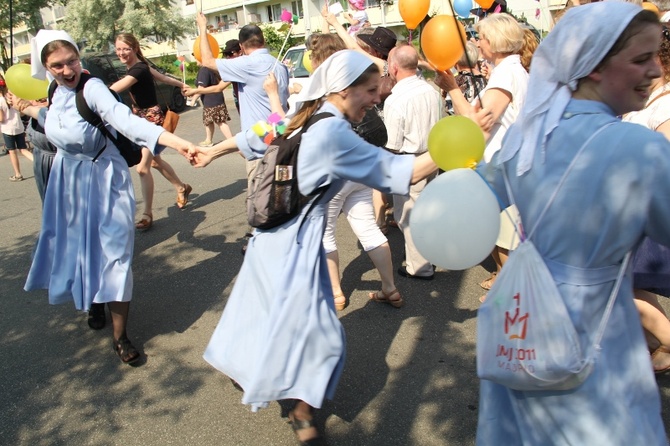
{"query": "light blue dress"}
(279, 336)
(85, 247)
(617, 192)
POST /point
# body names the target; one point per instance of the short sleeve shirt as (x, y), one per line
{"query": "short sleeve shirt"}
(207, 78)
(143, 91)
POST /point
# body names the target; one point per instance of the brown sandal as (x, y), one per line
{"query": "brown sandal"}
(488, 283)
(340, 301)
(182, 197)
(381, 296)
(125, 349)
(660, 349)
(145, 223)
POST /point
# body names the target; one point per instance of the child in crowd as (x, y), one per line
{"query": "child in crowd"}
(13, 132)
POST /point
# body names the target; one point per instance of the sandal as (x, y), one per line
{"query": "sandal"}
(488, 283)
(340, 301)
(381, 296)
(96, 316)
(125, 350)
(660, 349)
(145, 223)
(182, 197)
(299, 425)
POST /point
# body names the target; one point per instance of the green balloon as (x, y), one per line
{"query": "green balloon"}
(22, 84)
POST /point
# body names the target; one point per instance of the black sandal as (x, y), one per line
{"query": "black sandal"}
(298, 425)
(125, 350)
(96, 316)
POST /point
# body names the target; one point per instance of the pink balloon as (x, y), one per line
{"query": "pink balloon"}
(286, 16)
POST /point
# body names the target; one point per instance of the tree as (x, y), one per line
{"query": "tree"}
(274, 38)
(97, 22)
(24, 11)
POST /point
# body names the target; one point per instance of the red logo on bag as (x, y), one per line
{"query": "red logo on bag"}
(516, 321)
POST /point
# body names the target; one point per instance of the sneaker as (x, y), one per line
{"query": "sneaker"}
(205, 143)
(16, 178)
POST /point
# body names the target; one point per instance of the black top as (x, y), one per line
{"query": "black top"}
(143, 91)
(207, 78)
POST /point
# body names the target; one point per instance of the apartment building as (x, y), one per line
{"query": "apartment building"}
(226, 16)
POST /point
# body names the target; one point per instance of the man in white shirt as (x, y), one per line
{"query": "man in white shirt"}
(410, 112)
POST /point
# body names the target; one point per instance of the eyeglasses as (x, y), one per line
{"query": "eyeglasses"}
(124, 50)
(61, 66)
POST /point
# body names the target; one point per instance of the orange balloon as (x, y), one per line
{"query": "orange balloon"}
(441, 43)
(486, 4)
(649, 6)
(213, 45)
(413, 11)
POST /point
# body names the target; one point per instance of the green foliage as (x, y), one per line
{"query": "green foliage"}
(192, 69)
(99, 21)
(24, 11)
(166, 62)
(274, 38)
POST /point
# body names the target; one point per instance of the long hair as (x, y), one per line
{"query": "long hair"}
(134, 44)
(323, 46)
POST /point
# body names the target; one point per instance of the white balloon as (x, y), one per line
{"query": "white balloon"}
(456, 220)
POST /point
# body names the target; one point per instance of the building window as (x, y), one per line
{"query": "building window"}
(190, 2)
(274, 13)
(296, 8)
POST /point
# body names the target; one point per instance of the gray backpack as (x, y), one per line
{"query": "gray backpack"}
(273, 197)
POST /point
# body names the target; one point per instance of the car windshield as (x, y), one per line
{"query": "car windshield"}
(293, 60)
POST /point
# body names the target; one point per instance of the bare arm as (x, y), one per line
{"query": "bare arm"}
(423, 166)
(665, 129)
(166, 79)
(349, 40)
(201, 157)
(123, 84)
(271, 88)
(205, 51)
(218, 88)
(179, 144)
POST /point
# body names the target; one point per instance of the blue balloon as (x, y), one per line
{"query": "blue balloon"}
(463, 7)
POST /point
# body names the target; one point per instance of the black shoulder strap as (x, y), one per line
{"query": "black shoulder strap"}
(89, 115)
(321, 190)
(52, 89)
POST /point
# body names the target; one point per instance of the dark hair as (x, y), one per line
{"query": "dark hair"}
(251, 36)
(639, 22)
(53, 46)
(365, 76)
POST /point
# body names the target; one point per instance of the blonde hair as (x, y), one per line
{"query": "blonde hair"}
(133, 43)
(503, 32)
(470, 56)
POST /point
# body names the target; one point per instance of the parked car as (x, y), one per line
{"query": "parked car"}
(298, 74)
(110, 69)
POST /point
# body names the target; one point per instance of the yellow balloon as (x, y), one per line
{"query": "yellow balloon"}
(649, 6)
(413, 11)
(455, 142)
(307, 62)
(22, 84)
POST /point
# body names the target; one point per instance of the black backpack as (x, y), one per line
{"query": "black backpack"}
(130, 151)
(273, 197)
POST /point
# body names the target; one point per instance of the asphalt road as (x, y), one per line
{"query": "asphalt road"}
(410, 373)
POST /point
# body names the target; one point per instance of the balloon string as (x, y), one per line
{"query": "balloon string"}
(282, 47)
(410, 36)
(465, 50)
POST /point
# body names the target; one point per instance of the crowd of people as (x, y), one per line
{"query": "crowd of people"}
(279, 337)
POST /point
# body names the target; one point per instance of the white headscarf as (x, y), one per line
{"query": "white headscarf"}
(571, 51)
(37, 43)
(335, 74)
